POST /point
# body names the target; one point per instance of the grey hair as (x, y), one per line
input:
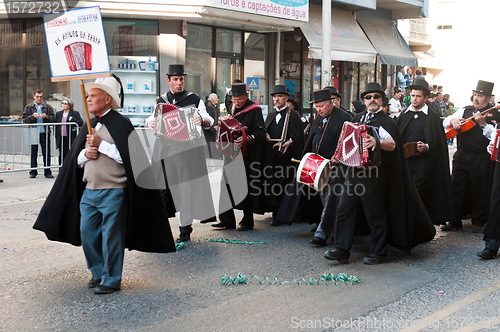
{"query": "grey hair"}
(212, 96)
(70, 102)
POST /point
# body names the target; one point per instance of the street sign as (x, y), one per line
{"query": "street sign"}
(253, 82)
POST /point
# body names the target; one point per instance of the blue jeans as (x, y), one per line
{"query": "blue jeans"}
(102, 227)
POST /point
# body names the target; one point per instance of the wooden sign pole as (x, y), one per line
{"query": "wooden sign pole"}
(86, 107)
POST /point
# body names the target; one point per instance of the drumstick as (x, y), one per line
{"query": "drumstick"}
(275, 139)
(295, 160)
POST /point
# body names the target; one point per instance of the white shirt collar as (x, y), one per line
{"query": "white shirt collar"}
(424, 109)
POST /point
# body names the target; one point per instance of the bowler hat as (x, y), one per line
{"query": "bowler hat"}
(484, 88)
(293, 100)
(239, 89)
(280, 89)
(321, 95)
(333, 91)
(176, 70)
(373, 87)
(419, 84)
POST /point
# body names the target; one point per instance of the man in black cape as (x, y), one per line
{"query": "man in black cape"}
(491, 230)
(385, 196)
(325, 132)
(141, 218)
(284, 168)
(471, 165)
(256, 163)
(182, 164)
(429, 168)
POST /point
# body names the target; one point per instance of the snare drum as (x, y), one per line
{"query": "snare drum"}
(314, 171)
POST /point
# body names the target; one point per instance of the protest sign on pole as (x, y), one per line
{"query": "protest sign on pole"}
(77, 48)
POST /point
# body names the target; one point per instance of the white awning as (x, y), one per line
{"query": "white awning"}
(391, 47)
(349, 43)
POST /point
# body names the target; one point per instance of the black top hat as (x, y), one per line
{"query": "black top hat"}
(239, 89)
(176, 70)
(419, 84)
(293, 100)
(321, 95)
(373, 87)
(280, 89)
(484, 88)
(333, 91)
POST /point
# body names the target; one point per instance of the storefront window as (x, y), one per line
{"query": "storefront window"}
(131, 37)
(198, 60)
(255, 69)
(228, 41)
(11, 69)
(306, 86)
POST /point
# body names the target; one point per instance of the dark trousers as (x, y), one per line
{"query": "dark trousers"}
(471, 168)
(369, 192)
(418, 169)
(45, 144)
(63, 148)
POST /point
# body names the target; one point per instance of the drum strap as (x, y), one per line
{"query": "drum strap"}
(324, 131)
(246, 110)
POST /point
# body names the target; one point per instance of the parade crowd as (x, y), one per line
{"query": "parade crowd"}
(396, 191)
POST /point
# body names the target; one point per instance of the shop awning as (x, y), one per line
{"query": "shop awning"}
(390, 45)
(349, 43)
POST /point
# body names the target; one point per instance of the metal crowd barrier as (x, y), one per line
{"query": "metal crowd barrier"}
(16, 141)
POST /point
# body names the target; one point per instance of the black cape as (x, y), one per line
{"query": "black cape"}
(302, 202)
(492, 227)
(295, 132)
(257, 162)
(148, 228)
(409, 223)
(438, 197)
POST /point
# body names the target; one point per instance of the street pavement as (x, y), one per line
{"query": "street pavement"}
(441, 286)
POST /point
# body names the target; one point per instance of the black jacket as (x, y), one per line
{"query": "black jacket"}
(76, 118)
(30, 109)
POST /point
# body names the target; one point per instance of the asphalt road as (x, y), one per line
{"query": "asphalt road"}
(441, 286)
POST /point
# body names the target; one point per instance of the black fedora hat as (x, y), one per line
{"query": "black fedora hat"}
(293, 100)
(333, 91)
(176, 70)
(280, 89)
(484, 88)
(419, 84)
(373, 87)
(321, 95)
(238, 89)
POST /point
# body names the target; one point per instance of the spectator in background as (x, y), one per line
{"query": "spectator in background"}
(358, 106)
(211, 133)
(441, 103)
(65, 135)
(395, 106)
(418, 74)
(400, 79)
(40, 112)
(408, 77)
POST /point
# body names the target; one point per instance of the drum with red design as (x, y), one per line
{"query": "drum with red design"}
(494, 154)
(314, 171)
(175, 123)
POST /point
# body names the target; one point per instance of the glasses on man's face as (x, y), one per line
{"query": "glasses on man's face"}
(368, 97)
(65, 103)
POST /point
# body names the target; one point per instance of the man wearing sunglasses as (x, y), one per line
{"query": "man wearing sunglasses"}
(383, 197)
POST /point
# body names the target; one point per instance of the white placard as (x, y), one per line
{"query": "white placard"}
(76, 44)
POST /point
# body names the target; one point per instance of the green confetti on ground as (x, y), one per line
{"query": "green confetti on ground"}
(181, 245)
(326, 278)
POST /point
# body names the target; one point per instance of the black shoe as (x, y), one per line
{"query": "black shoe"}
(49, 176)
(101, 289)
(213, 219)
(183, 237)
(318, 242)
(32, 176)
(451, 227)
(313, 229)
(223, 225)
(276, 222)
(1, 180)
(487, 253)
(337, 257)
(245, 227)
(93, 283)
(373, 259)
